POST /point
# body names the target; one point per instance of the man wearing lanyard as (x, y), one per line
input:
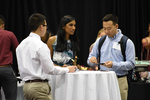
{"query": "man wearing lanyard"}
(8, 44)
(34, 61)
(111, 54)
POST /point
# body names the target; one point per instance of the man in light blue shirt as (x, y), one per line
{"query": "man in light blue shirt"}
(111, 54)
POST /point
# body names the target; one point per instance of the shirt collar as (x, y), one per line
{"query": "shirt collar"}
(34, 35)
(117, 34)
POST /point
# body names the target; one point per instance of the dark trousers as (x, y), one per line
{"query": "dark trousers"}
(8, 82)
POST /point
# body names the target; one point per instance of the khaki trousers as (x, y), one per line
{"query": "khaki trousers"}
(37, 91)
(123, 86)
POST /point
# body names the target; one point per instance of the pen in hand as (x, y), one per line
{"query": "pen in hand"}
(99, 63)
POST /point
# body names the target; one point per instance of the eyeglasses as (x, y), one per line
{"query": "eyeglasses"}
(45, 25)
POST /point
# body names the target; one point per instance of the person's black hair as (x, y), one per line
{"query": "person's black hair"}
(35, 20)
(111, 17)
(61, 36)
(2, 20)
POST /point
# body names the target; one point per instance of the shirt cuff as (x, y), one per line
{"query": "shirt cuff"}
(114, 64)
(90, 64)
(67, 69)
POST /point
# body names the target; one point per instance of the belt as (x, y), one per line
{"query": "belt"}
(121, 76)
(36, 80)
(5, 65)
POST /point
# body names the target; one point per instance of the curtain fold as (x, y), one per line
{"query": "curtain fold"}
(133, 17)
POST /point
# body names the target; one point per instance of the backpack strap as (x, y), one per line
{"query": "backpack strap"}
(101, 40)
(122, 42)
(123, 48)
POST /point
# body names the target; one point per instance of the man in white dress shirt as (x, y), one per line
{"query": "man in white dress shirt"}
(34, 61)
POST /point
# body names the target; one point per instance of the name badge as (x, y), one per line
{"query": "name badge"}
(116, 46)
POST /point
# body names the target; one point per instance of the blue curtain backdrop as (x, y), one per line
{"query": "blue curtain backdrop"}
(134, 16)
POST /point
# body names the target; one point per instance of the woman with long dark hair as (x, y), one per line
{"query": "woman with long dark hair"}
(64, 45)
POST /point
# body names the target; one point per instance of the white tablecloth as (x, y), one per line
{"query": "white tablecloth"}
(85, 85)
